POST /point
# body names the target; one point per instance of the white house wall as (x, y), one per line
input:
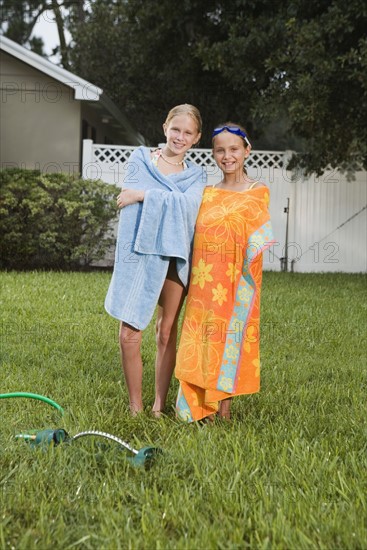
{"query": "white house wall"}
(40, 120)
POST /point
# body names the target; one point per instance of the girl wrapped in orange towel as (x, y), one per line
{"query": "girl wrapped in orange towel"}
(218, 356)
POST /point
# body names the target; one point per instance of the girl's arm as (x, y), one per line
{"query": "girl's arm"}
(129, 196)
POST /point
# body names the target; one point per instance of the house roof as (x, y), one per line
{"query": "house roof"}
(84, 90)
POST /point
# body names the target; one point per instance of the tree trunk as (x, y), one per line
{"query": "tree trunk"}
(60, 29)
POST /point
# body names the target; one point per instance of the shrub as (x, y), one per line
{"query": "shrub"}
(54, 220)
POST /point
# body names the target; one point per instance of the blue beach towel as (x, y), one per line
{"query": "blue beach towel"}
(150, 234)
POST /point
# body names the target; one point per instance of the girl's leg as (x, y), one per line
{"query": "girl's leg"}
(169, 306)
(130, 343)
(225, 408)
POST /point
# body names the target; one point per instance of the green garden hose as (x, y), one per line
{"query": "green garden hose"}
(33, 396)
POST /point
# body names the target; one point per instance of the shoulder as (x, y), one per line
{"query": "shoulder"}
(140, 153)
(154, 155)
(200, 174)
(196, 169)
(256, 184)
(262, 191)
(193, 165)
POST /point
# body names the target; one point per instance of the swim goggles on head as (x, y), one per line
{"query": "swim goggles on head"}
(232, 130)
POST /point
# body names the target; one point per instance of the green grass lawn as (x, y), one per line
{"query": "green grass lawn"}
(288, 472)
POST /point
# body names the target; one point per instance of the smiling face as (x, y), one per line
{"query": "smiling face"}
(181, 133)
(230, 152)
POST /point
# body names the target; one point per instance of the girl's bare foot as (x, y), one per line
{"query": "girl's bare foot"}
(135, 409)
(208, 419)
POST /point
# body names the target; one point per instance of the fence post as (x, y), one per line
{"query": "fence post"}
(87, 158)
(284, 259)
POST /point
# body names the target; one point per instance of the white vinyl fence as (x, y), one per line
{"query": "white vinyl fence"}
(320, 224)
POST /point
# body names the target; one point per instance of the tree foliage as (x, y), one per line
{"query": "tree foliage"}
(294, 73)
(308, 60)
(144, 54)
(320, 76)
(19, 18)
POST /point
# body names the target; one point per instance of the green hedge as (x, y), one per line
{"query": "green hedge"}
(54, 221)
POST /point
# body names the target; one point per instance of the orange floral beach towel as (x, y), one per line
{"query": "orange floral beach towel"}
(218, 355)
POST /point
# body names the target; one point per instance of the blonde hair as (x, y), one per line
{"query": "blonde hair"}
(186, 109)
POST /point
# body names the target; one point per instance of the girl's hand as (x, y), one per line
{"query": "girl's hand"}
(129, 196)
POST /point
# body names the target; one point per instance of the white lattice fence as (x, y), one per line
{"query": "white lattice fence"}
(258, 159)
(327, 216)
(107, 161)
(111, 154)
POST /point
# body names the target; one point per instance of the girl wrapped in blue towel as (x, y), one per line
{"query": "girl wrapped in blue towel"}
(160, 200)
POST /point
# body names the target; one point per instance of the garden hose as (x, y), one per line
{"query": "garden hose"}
(33, 396)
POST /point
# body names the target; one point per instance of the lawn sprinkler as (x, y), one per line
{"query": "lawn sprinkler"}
(141, 458)
(43, 437)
